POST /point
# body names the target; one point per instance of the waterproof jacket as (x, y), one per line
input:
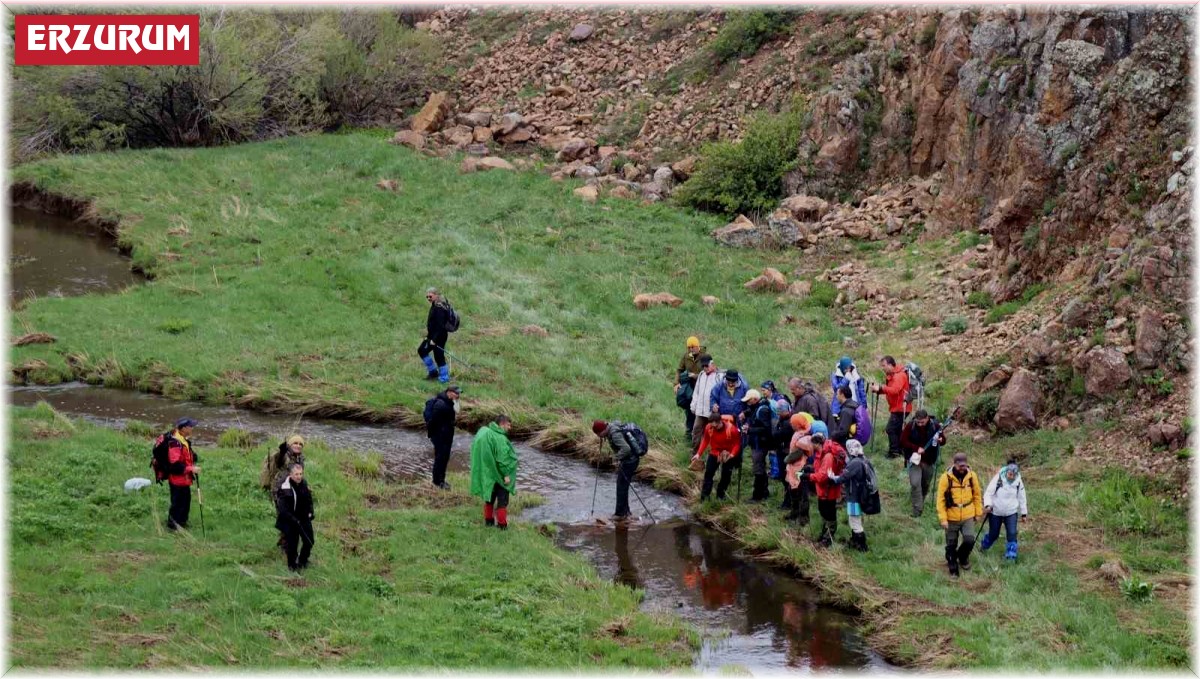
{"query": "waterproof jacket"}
(858, 387)
(622, 446)
(814, 404)
(758, 425)
(855, 478)
(959, 500)
(441, 420)
(726, 403)
(843, 421)
(724, 438)
(702, 396)
(689, 364)
(832, 461)
(435, 323)
(914, 436)
(293, 504)
(276, 465)
(492, 458)
(801, 455)
(895, 388)
(181, 460)
(1006, 498)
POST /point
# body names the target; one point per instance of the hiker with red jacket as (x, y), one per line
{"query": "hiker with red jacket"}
(725, 439)
(182, 468)
(831, 462)
(894, 389)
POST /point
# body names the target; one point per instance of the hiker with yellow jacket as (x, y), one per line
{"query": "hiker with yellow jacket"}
(959, 506)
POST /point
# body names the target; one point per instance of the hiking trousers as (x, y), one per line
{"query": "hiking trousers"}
(181, 506)
(920, 477)
(435, 346)
(710, 470)
(625, 471)
(698, 431)
(894, 426)
(954, 550)
(441, 457)
(298, 543)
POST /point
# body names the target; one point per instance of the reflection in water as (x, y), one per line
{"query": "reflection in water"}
(53, 256)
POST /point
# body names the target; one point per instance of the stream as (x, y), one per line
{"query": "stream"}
(753, 617)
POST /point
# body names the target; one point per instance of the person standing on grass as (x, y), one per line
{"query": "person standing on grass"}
(831, 463)
(807, 400)
(436, 335)
(624, 448)
(685, 381)
(294, 517)
(182, 469)
(725, 440)
(758, 431)
(959, 505)
(781, 437)
(923, 458)
(275, 467)
(843, 421)
(859, 479)
(709, 378)
(800, 462)
(442, 411)
(846, 374)
(895, 389)
(727, 395)
(494, 470)
(1003, 501)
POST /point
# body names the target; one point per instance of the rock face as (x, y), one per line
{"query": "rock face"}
(433, 113)
(1106, 372)
(1151, 338)
(1020, 403)
(645, 301)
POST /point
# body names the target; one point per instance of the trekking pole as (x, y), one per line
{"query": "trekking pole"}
(639, 497)
(200, 500)
(444, 351)
(875, 424)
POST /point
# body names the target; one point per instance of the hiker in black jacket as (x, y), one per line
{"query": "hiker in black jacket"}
(295, 516)
(620, 436)
(440, 428)
(844, 420)
(759, 435)
(435, 337)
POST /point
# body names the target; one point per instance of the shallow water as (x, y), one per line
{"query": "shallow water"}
(55, 257)
(754, 617)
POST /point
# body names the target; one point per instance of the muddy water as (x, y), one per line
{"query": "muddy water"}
(754, 618)
(56, 257)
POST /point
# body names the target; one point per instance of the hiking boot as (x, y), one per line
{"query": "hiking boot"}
(431, 375)
(502, 526)
(916, 514)
(1010, 552)
(953, 566)
(489, 522)
(443, 485)
(987, 542)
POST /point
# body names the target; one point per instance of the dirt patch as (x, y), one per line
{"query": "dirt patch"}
(297, 583)
(34, 338)
(413, 495)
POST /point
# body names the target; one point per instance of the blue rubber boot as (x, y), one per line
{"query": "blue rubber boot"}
(430, 366)
(444, 374)
(987, 542)
(1011, 552)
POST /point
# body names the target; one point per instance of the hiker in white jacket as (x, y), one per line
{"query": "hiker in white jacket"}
(708, 378)
(1003, 501)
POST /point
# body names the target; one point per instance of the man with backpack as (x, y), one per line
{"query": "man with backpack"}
(959, 505)
(846, 374)
(441, 321)
(844, 425)
(922, 440)
(629, 444)
(760, 438)
(440, 412)
(807, 400)
(176, 462)
(723, 437)
(862, 492)
(708, 379)
(895, 390)
(685, 381)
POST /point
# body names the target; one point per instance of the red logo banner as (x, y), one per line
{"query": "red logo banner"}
(107, 40)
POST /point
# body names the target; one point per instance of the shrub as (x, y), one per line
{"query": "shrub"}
(743, 33)
(1001, 312)
(235, 438)
(981, 408)
(745, 176)
(1029, 293)
(928, 34)
(1136, 589)
(955, 325)
(981, 299)
(822, 295)
(1159, 383)
(141, 429)
(897, 61)
(175, 326)
(1029, 239)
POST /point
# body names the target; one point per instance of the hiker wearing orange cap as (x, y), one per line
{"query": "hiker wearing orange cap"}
(725, 440)
(800, 460)
(685, 382)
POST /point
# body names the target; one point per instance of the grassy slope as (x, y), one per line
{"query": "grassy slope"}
(97, 582)
(316, 295)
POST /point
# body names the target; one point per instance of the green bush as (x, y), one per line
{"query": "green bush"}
(954, 325)
(235, 438)
(141, 429)
(981, 299)
(1029, 239)
(1001, 312)
(1136, 589)
(981, 409)
(743, 33)
(822, 295)
(1032, 291)
(1159, 383)
(746, 176)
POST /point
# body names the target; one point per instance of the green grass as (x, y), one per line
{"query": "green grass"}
(96, 582)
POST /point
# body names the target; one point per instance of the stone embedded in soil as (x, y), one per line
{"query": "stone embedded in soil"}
(770, 280)
(645, 301)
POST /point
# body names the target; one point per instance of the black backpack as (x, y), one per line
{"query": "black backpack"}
(636, 438)
(159, 459)
(452, 318)
(428, 414)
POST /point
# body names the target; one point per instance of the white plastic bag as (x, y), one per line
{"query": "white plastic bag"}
(137, 483)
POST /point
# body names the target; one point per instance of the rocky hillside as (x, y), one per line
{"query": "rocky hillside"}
(1053, 143)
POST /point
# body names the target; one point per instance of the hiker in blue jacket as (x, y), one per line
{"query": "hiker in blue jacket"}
(727, 395)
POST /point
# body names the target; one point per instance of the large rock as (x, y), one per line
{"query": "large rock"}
(588, 194)
(1151, 338)
(518, 136)
(805, 208)
(799, 289)
(581, 32)
(574, 150)
(493, 163)
(1020, 403)
(1106, 371)
(410, 139)
(996, 379)
(433, 113)
(740, 232)
(770, 279)
(509, 122)
(475, 119)
(1076, 314)
(1166, 434)
(664, 176)
(684, 168)
(645, 301)
(481, 135)
(460, 136)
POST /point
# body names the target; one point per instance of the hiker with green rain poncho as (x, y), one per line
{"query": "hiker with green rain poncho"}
(494, 470)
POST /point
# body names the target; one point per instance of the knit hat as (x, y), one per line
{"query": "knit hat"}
(599, 427)
(751, 394)
(296, 438)
(854, 448)
(818, 427)
(693, 341)
(844, 364)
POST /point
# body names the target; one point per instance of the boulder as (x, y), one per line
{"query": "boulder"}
(739, 232)
(518, 136)
(574, 150)
(409, 138)
(664, 176)
(1165, 434)
(493, 163)
(799, 289)
(653, 190)
(481, 135)
(1151, 338)
(460, 136)
(709, 300)
(1114, 570)
(475, 119)
(630, 172)
(892, 226)
(588, 194)
(1020, 403)
(1076, 313)
(581, 32)
(621, 191)
(585, 172)
(770, 279)
(468, 165)
(996, 379)
(645, 301)
(684, 168)
(479, 150)
(1106, 371)
(509, 122)
(432, 114)
(805, 208)
(606, 152)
